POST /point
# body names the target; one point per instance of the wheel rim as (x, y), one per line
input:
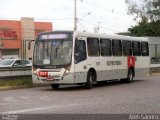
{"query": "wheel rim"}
(91, 79)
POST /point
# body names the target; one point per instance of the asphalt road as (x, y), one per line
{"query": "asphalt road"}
(141, 96)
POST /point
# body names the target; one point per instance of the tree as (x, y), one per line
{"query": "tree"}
(147, 14)
(146, 29)
(144, 9)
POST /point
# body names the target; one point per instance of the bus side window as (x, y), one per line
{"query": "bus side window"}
(80, 51)
(116, 47)
(105, 47)
(93, 47)
(136, 48)
(144, 49)
(127, 48)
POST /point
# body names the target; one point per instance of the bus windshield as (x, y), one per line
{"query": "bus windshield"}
(53, 52)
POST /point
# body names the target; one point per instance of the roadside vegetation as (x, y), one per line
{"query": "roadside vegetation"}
(16, 81)
(147, 15)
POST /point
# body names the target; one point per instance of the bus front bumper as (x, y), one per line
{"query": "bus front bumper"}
(67, 79)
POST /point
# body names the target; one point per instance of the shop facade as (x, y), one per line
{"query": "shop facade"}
(16, 34)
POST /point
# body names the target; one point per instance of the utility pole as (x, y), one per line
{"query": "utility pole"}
(75, 15)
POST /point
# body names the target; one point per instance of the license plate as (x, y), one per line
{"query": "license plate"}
(50, 79)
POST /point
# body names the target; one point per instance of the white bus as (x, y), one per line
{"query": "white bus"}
(66, 57)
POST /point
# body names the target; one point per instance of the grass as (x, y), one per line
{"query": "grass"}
(16, 81)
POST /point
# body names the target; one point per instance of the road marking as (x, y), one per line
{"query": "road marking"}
(23, 97)
(27, 98)
(36, 109)
(10, 99)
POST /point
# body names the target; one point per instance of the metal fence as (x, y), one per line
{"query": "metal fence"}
(13, 72)
(22, 54)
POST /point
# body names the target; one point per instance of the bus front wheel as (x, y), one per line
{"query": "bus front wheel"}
(90, 79)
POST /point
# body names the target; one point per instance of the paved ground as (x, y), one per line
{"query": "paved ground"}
(141, 96)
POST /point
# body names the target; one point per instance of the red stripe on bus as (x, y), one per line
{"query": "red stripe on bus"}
(131, 61)
(43, 73)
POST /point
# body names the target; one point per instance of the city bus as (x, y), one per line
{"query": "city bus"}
(67, 57)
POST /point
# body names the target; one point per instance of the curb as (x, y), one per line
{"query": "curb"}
(14, 87)
(154, 74)
(21, 87)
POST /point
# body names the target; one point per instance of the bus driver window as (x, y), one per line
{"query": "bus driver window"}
(80, 51)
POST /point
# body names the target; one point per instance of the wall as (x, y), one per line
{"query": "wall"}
(15, 36)
(8, 27)
(154, 45)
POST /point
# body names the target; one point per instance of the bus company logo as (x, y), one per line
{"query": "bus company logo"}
(131, 61)
(112, 63)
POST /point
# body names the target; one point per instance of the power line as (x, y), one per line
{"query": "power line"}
(104, 9)
(44, 29)
(54, 19)
(37, 18)
(100, 26)
(41, 29)
(82, 25)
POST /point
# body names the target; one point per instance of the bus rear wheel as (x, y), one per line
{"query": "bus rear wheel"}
(90, 79)
(55, 86)
(130, 76)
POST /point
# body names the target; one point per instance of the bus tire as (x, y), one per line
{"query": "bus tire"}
(55, 86)
(90, 79)
(130, 76)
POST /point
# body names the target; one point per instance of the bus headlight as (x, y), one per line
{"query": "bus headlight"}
(67, 71)
(34, 71)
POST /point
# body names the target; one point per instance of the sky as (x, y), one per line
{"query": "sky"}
(110, 15)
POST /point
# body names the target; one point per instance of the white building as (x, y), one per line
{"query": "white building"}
(154, 46)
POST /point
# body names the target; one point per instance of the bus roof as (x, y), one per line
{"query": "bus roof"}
(97, 35)
(119, 37)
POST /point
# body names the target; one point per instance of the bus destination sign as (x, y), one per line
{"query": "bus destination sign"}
(53, 36)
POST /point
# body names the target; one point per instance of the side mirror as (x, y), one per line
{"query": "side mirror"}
(29, 45)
